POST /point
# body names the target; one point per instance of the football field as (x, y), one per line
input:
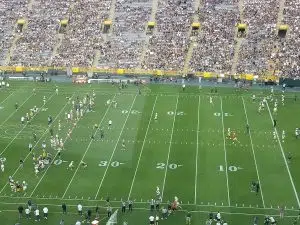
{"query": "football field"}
(167, 137)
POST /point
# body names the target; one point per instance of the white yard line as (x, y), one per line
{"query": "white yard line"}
(15, 111)
(254, 156)
(197, 152)
(86, 151)
(140, 156)
(113, 153)
(36, 142)
(170, 145)
(284, 158)
(4, 100)
(8, 145)
(225, 152)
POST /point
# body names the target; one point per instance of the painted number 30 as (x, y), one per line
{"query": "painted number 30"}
(112, 164)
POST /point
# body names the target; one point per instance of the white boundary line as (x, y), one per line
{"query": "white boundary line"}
(284, 158)
(225, 152)
(113, 153)
(170, 145)
(254, 156)
(36, 142)
(86, 151)
(197, 152)
(140, 156)
(15, 111)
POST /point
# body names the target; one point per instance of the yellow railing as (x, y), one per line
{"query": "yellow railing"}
(120, 71)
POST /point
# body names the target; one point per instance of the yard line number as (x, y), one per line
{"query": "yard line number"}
(171, 166)
(171, 113)
(112, 164)
(134, 112)
(230, 168)
(219, 114)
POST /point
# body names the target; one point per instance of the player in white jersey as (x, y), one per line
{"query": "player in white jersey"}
(259, 109)
(275, 110)
(44, 100)
(36, 169)
(56, 91)
(2, 167)
(274, 135)
(283, 136)
(253, 98)
(282, 99)
(297, 132)
(71, 165)
(69, 117)
(211, 100)
(109, 124)
(22, 119)
(108, 102)
(115, 104)
(59, 125)
(155, 116)
(123, 145)
(24, 185)
(157, 191)
(44, 145)
(228, 133)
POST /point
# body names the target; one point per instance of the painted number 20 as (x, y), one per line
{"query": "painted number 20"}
(171, 166)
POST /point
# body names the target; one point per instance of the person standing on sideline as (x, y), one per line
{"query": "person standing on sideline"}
(281, 212)
(64, 208)
(79, 209)
(109, 211)
(97, 211)
(45, 211)
(20, 209)
(37, 214)
(130, 205)
(123, 206)
(156, 220)
(151, 219)
(27, 213)
(188, 218)
(61, 222)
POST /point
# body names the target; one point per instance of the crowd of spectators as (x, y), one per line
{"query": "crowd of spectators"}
(129, 45)
(214, 48)
(257, 48)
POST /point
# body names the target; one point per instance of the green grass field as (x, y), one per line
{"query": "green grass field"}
(185, 152)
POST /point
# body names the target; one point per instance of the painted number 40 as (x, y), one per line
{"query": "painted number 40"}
(171, 166)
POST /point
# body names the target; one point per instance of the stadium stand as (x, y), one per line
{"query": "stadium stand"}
(128, 44)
